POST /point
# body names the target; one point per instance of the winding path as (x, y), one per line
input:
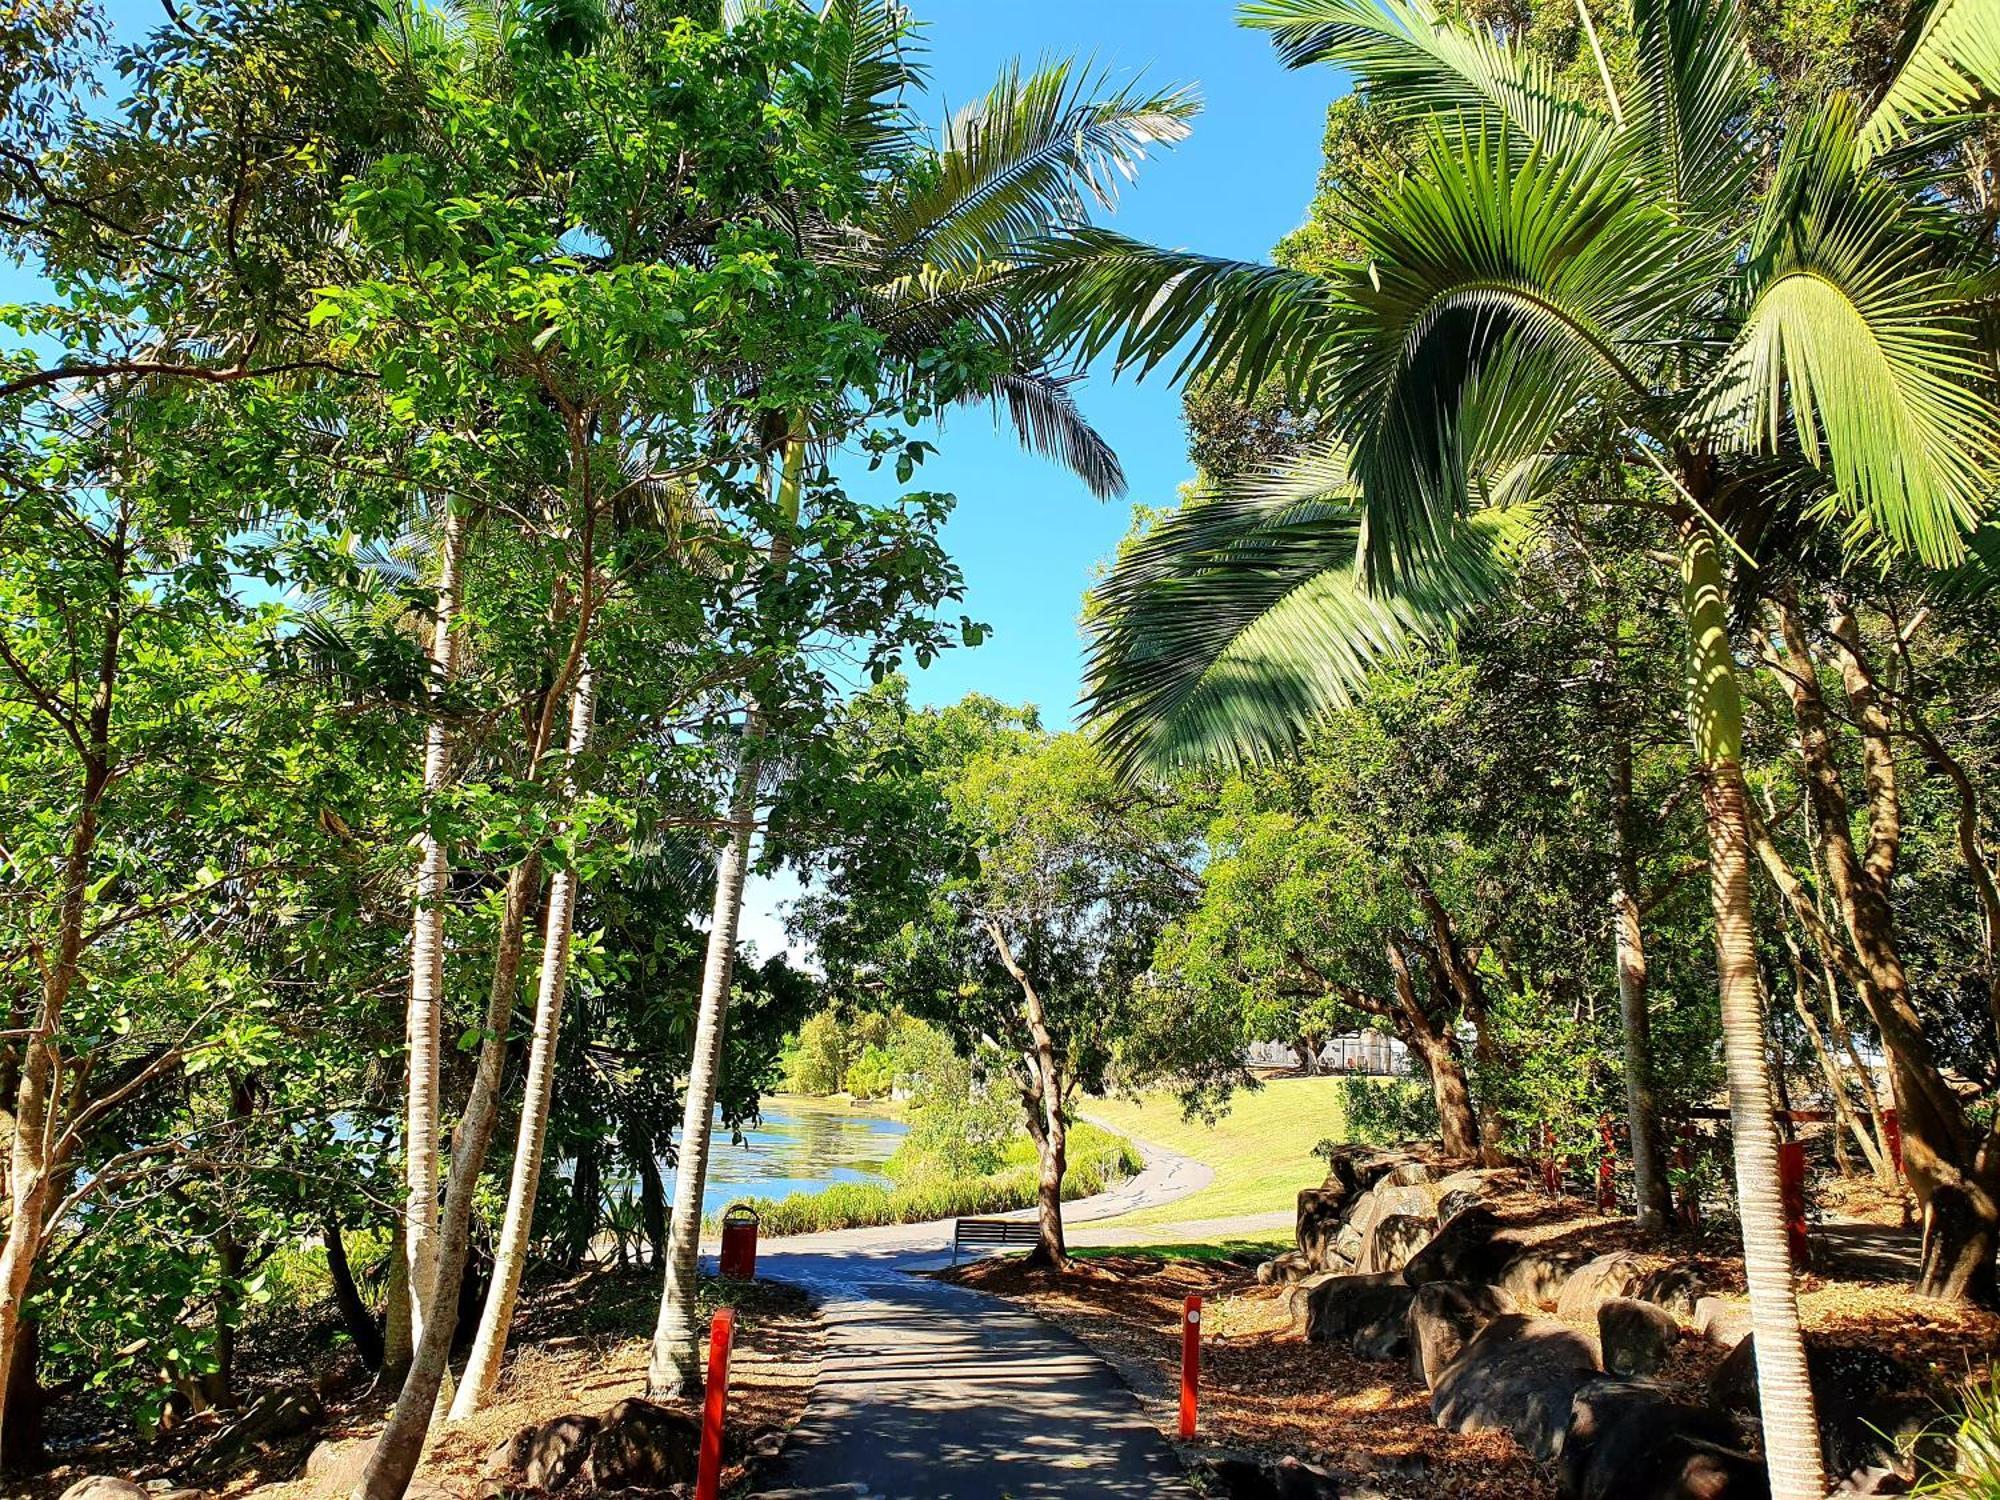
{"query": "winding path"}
(930, 1391)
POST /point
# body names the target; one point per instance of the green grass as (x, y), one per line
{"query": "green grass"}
(1261, 1149)
(1096, 1159)
(1246, 1249)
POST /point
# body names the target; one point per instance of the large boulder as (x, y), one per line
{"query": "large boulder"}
(1357, 1167)
(1392, 1242)
(1722, 1320)
(1677, 1288)
(1634, 1336)
(1444, 1317)
(1287, 1479)
(1635, 1440)
(1534, 1277)
(105, 1487)
(1596, 1282)
(641, 1445)
(545, 1455)
(1282, 1270)
(1870, 1404)
(335, 1466)
(1342, 1309)
(1470, 1246)
(1519, 1375)
(273, 1418)
(1319, 1220)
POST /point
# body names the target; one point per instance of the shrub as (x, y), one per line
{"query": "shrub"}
(1096, 1160)
(1386, 1112)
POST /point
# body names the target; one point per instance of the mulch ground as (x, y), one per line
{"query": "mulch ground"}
(1267, 1392)
(579, 1345)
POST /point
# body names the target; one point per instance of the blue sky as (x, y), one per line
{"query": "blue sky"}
(1026, 534)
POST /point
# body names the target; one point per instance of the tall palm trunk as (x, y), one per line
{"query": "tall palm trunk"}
(1715, 714)
(401, 1444)
(496, 1318)
(675, 1365)
(425, 1020)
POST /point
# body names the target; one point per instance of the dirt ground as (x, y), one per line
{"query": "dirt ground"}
(1266, 1391)
(579, 1345)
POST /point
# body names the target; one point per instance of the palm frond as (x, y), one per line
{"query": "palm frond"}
(1243, 619)
(1416, 62)
(1048, 421)
(1858, 346)
(1693, 88)
(1952, 66)
(868, 51)
(1027, 160)
(1239, 320)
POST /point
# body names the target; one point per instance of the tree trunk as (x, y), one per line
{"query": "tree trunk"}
(1715, 714)
(354, 1314)
(1052, 1147)
(425, 1020)
(482, 1367)
(27, 1405)
(586, 1192)
(1946, 1158)
(1642, 1108)
(1438, 1047)
(1307, 1050)
(652, 1192)
(674, 1367)
(1829, 1065)
(401, 1444)
(397, 1347)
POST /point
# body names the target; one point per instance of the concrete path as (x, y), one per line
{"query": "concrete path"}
(930, 1391)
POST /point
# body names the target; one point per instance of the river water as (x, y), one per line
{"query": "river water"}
(799, 1146)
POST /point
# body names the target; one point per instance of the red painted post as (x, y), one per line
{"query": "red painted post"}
(721, 1336)
(1190, 1364)
(1607, 1168)
(1792, 1192)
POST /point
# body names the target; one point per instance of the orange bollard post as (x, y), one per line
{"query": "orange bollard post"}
(1792, 1192)
(1190, 1364)
(721, 1336)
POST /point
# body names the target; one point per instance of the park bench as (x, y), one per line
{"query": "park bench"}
(977, 1234)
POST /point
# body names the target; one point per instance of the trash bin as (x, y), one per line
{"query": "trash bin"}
(739, 1242)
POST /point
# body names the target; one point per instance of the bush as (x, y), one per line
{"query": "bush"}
(1386, 1112)
(1096, 1160)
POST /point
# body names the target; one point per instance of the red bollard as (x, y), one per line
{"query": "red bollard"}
(1792, 1193)
(1607, 1180)
(721, 1336)
(1190, 1364)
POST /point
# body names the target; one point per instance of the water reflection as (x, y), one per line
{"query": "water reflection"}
(799, 1146)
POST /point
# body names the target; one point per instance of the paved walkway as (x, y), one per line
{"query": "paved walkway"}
(930, 1391)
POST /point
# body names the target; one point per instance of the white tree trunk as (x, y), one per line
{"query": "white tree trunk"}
(496, 1318)
(675, 1366)
(425, 1020)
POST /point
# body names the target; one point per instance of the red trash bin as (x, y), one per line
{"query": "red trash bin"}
(739, 1242)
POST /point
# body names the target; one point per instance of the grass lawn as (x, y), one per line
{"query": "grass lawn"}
(1261, 1149)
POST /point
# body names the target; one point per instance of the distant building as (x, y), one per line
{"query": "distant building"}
(1372, 1054)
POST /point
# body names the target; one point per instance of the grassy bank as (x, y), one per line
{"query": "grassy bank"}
(1096, 1160)
(1261, 1150)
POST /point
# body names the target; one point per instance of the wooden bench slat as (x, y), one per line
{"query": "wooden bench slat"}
(993, 1232)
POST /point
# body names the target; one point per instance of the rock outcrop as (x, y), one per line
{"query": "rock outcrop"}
(1636, 1440)
(1444, 1317)
(1635, 1337)
(1520, 1375)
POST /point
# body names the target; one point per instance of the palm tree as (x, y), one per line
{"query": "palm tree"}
(1780, 336)
(936, 249)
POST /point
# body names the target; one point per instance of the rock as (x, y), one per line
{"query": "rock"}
(1338, 1308)
(1282, 1270)
(1471, 1246)
(105, 1487)
(543, 1456)
(1721, 1322)
(1677, 1288)
(1288, 1479)
(640, 1445)
(273, 1417)
(334, 1467)
(1876, 1481)
(1319, 1220)
(1409, 1174)
(1444, 1317)
(1520, 1375)
(1635, 1336)
(1868, 1402)
(1392, 1242)
(1596, 1282)
(1633, 1440)
(1385, 1337)
(1298, 1301)
(1357, 1167)
(1534, 1278)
